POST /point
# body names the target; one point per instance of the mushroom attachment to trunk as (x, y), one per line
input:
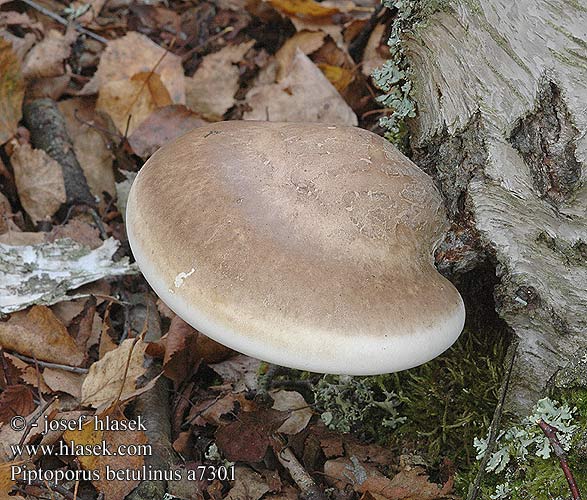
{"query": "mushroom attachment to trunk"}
(305, 245)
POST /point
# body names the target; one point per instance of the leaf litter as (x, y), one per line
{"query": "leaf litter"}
(70, 347)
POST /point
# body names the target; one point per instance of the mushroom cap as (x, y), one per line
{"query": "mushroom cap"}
(305, 245)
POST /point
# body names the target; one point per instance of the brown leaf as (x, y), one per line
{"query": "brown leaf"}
(11, 91)
(46, 58)
(6, 481)
(299, 411)
(93, 435)
(414, 483)
(39, 334)
(305, 9)
(39, 181)
(247, 484)
(135, 53)
(181, 353)
(29, 374)
(64, 381)
(16, 400)
(210, 92)
(162, 126)
(106, 376)
(247, 438)
(135, 98)
(305, 95)
(85, 126)
(306, 41)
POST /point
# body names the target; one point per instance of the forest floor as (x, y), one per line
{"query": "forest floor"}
(95, 87)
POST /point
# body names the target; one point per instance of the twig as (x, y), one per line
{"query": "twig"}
(550, 433)
(305, 482)
(63, 21)
(494, 427)
(46, 364)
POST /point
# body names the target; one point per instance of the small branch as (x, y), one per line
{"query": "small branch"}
(46, 364)
(63, 21)
(304, 481)
(494, 427)
(550, 433)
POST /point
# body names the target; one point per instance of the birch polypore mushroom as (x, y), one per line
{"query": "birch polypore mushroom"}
(305, 245)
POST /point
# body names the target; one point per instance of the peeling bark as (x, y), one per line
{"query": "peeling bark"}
(501, 89)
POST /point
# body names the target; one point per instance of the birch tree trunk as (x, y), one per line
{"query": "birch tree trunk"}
(501, 89)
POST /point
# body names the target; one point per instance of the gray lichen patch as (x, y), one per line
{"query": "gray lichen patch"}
(546, 140)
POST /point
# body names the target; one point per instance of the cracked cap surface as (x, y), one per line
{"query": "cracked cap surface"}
(305, 245)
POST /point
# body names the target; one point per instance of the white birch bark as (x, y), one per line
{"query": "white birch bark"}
(501, 89)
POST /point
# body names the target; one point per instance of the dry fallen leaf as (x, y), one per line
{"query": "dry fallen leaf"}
(210, 92)
(162, 126)
(64, 381)
(105, 378)
(247, 484)
(93, 435)
(38, 333)
(293, 402)
(11, 91)
(241, 371)
(306, 41)
(248, 437)
(180, 353)
(6, 481)
(305, 9)
(46, 58)
(39, 181)
(135, 98)
(90, 146)
(15, 400)
(29, 374)
(340, 78)
(305, 95)
(136, 53)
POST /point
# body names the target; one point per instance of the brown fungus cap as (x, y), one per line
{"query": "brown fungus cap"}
(306, 245)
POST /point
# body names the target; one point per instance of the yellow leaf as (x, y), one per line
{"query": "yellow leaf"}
(306, 9)
(341, 78)
(99, 434)
(11, 91)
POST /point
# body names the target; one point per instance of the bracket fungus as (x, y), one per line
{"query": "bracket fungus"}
(305, 245)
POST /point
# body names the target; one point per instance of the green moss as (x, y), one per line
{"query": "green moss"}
(451, 399)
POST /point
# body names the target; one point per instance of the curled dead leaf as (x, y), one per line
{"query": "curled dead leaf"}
(38, 333)
(39, 181)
